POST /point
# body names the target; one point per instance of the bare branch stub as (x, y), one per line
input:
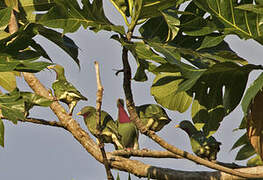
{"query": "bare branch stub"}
(99, 124)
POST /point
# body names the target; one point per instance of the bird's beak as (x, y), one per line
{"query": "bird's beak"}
(177, 126)
(79, 113)
(51, 67)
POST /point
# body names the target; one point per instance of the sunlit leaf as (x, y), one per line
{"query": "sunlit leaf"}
(255, 161)
(8, 81)
(164, 89)
(5, 15)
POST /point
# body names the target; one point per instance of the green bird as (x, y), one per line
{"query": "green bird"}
(64, 91)
(202, 146)
(126, 128)
(109, 127)
(153, 116)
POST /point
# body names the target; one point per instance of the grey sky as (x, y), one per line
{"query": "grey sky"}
(46, 153)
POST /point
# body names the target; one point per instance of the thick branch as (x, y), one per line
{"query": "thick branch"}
(99, 124)
(159, 140)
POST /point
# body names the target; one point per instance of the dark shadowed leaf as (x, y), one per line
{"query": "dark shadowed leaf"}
(62, 41)
(245, 152)
(241, 141)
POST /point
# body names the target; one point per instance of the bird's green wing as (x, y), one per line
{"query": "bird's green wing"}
(109, 123)
(153, 116)
(129, 134)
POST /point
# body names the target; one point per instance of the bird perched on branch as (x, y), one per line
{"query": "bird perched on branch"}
(109, 127)
(202, 146)
(64, 91)
(126, 128)
(153, 116)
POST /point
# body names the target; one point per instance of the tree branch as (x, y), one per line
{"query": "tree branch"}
(39, 121)
(99, 124)
(136, 167)
(134, 117)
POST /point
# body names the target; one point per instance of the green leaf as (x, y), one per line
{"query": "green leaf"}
(33, 10)
(251, 92)
(5, 15)
(12, 4)
(2, 133)
(8, 81)
(153, 8)
(231, 20)
(39, 49)
(241, 141)
(251, 7)
(68, 15)
(172, 21)
(63, 42)
(211, 41)
(255, 161)
(32, 99)
(245, 152)
(12, 106)
(164, 90)
(155, 28)
(118, 176)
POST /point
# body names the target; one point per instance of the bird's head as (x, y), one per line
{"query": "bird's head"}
(187, 126)
(58, 69)
(86, 111)
(120, 102)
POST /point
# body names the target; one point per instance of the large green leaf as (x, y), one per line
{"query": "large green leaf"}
(164, 89)
(211, 104)
(68, 15)
(8, 81)
(244, 23)
(2, 133)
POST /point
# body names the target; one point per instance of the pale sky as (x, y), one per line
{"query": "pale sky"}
(46, 153)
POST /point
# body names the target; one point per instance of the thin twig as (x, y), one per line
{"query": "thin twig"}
(39, 121)
(156, 138)
(99, 124)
